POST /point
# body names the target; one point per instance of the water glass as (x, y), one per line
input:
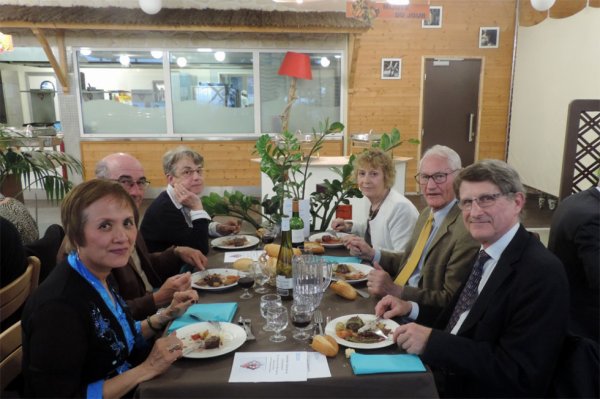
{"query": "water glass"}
(301, 315)
(266, 302)
(311, 275)
(278, 318)
(260, 278)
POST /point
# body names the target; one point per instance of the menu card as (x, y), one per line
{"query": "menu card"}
(277, 366)
(231, 257)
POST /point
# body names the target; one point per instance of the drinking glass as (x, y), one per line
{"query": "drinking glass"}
(278, 317)
(301, 315)
(269, 233)
(246, 281)
(269, 301)
(260, 278)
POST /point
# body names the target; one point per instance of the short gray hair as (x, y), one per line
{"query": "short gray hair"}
(454, 162)
(175, 155)
(102, 170)
(499, 173)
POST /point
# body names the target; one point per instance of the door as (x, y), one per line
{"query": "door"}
(450, 105)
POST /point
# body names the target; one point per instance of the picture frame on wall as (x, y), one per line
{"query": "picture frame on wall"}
(435, 18)
(391, 68)
(489, 37)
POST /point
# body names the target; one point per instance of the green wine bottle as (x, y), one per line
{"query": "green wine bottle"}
(284, 282)
(297, 226)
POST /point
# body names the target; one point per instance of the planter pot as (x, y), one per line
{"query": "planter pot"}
(11, 187)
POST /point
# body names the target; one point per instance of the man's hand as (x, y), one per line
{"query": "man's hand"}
(412, 338)
(380, 283)
(191, 256)
(179, 282)
(229, 227)
(359, 247)
(187, 198)
(390, 306)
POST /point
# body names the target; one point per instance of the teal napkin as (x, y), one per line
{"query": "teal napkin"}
(205, 312)
(342, 259)
(373, 364)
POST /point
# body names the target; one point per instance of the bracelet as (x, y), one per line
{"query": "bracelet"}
(156, 330)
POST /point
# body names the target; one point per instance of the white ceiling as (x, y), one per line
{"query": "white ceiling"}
(268, 5)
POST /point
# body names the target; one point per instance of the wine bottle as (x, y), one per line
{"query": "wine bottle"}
(284, 281)
(297, 226)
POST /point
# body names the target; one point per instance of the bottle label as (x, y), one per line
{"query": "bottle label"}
(285, 224)
(297, 236)
(284, 283)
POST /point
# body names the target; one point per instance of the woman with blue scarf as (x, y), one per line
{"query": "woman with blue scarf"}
(79, 339)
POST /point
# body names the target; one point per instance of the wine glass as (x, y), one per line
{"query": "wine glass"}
(246, 281)
(269, 233)
(278, 317)
(266, 302)
(260, 278)
(301, 315)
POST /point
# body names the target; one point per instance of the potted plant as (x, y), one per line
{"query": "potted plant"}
(19, 166)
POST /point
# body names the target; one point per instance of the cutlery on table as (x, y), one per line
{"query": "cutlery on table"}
(247, 325)
(362, 293)
(194, 346)
(372, 326)
(318, 319)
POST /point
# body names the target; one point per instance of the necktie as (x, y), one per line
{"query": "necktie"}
(469, 293)
(415, 255)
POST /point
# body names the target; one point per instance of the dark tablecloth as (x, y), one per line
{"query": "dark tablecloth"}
(206, 378)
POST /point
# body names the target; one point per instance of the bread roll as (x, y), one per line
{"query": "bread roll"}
(273, 250)
(314, 247)
(325, 344)
(243, 264)
(344, 290)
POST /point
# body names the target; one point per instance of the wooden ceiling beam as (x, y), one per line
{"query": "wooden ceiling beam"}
(59, 70)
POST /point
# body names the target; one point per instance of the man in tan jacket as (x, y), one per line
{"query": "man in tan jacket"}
(440, 253)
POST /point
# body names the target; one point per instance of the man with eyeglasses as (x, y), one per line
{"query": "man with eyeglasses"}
(145, 270)
(176, 216)
(502, 333)
(438, 256)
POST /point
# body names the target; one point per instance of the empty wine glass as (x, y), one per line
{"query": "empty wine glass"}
(278, 317)
(246, 281)
(301, 315)
(266, 302)
(260, 278)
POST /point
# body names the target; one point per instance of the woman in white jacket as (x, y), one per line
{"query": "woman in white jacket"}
(392, 217)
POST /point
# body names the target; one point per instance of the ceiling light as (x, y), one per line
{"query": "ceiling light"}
(156, 54)
(399, 2)
(150, 6)
(325, 62)
(85, 51)
(220, 56)
(181, 62)
(337, 56)
(124, 60)
(542, 5)
(204, 50)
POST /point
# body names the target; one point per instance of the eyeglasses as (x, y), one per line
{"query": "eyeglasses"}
(128, 182)
(190, 172)
(438, 178)
(483, 201)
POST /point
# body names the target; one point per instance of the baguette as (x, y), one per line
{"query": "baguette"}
(344, 290)
(273, 250)
(314, 247)
(325, 344)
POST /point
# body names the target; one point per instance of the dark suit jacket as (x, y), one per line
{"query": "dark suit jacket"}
(575, 239)
(157, 266)
(509, 343)
(164, 226)
(448, 260)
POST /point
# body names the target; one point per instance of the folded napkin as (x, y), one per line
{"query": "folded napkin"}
(342, 259)
(373, 364)
(205, 312)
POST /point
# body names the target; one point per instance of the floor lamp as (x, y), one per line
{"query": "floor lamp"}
(296, 66)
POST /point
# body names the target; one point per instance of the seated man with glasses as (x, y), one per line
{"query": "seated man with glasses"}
(149, 280)
(176, 216)
(439, 255)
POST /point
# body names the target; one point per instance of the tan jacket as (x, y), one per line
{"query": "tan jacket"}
(448, 260)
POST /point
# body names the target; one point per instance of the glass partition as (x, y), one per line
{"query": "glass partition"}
(122, 92)
(212, 92)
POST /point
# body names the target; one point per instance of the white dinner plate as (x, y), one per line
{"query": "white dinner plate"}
(225, 272)
(330, 330)
(359, 267)
(317, 237)
(232, 337)
(221, 242)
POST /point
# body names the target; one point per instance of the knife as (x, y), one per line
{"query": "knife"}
(247, 327)
(362, 293)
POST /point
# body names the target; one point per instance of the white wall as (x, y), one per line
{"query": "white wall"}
(557, 61)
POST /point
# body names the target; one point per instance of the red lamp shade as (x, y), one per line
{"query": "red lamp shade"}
(296, 65)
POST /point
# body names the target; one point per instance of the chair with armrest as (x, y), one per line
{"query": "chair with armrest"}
(11, 355)
(14, 295)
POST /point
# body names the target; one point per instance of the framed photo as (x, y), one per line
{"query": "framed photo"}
(391, 68)
(435, 18)
(489, 37)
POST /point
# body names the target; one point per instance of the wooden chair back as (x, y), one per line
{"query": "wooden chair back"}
(11, 354)
(14, 295)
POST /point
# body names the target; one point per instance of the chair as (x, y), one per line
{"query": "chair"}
(11, 355)
(14, 295)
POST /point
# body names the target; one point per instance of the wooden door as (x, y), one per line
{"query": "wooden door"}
(450, 105)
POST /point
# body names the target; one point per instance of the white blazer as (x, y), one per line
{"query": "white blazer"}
(392, 227)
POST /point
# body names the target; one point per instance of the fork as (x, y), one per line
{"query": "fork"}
(318, 318)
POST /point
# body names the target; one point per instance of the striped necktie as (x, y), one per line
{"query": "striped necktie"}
(469, 294)
(417, 252)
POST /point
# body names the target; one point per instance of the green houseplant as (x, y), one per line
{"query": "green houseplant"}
(20, 167)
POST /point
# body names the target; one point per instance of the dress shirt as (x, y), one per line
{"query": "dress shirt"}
(191, 215)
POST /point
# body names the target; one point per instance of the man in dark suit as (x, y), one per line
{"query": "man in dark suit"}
(146, 271)
(575, 239)
(503, 331)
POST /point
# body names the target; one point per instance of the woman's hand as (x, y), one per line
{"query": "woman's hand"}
(339, 224)
(181, 302)
(179, 282)
(164, 353)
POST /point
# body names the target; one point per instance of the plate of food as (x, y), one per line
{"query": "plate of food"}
(239, 241)
(215, 279)
(351, 272)
(362, 331)
(328, 240)
(210, 339)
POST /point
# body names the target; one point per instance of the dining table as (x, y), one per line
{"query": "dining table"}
(209, 377)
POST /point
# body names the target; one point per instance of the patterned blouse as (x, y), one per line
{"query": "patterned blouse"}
(16, 212)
